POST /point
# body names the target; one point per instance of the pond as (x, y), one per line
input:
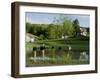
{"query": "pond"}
(56, 57)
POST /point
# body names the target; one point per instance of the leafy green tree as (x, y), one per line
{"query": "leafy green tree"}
(28, 27)
(76, 27)
(65, 26)
(51, 31)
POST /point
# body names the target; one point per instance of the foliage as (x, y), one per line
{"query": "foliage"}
(76, 27)
(67, 27)
(60, 27)
(64, 26)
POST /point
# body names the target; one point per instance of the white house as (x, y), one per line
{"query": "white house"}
(84, 31)
(29, 38)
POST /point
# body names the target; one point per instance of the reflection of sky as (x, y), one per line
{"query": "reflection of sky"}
(46, 18)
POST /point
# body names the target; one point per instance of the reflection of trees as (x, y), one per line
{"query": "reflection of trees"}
(54, 56)
(75, 54)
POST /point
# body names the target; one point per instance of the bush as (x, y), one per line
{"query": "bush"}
(34, 48)
(59, 47)
(42, 47)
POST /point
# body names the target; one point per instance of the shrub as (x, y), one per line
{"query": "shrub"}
(34, 48)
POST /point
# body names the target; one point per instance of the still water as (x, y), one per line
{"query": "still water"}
(56, 57)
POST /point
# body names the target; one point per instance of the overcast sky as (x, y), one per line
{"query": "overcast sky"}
(47, 18)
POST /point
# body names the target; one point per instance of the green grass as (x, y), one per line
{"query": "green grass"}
(75, 43)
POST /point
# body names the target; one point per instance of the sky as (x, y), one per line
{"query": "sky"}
(47, 18)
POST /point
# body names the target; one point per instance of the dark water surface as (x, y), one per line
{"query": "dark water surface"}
(56, 57)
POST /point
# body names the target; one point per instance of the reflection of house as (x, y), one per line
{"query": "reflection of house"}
(84, 57)
(30, 37)
(84, 31)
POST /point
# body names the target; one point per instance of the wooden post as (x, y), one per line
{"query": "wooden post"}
(43, 54)
(69, 47)
(34, 56)
(34, 50)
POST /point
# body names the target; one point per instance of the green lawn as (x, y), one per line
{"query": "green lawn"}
(75, 43)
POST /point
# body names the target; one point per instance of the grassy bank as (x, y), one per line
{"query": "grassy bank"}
(75, 43)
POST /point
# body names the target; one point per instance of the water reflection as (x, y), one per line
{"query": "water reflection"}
(84, 56)
(52, 56)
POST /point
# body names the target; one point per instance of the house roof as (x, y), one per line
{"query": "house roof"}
(31, 35)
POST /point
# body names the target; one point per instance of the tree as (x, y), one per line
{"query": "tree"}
(52, 31)
(76, 27)
(28, 27)
(65, 27)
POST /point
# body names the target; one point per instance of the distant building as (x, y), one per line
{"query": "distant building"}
(30, 37)
(84, 31)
